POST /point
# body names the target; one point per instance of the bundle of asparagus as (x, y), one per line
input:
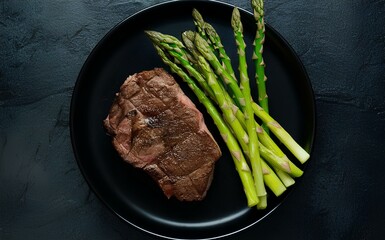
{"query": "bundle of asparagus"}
(200, 60)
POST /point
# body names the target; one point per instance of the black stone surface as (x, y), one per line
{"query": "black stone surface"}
(43, 45)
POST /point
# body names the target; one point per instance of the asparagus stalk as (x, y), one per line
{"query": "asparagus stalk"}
(217, 42)
(208, 32)
(260, 76)
(281, 163)
(255, 159)
(259, 40)
(281, 134)
(228, 114)
(200, 26)
(285, 178)
(272, 180)
(235, 151)
(276, 152)
(258, 10)
(204, 48)
(188, 38)
(189, 41)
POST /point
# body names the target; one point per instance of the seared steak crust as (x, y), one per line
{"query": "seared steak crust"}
(155, 127)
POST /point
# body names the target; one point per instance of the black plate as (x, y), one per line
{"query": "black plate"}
(129, 192)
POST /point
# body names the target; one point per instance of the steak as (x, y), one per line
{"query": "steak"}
(157, 128)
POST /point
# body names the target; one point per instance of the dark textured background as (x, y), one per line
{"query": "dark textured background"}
(43, 45)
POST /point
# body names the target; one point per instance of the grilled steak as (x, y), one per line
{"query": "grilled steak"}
(156, 127)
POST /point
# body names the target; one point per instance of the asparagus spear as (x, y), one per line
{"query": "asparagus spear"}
(204, 48)
(208, 32)
(272, 181)
(255, 159)
(259, 40)
(217, 42)
(228, 114)
(235, 151)
(200, 26)
(189, 41)
(260, 76)
(285, 178)
(266, 140)
(281, 134)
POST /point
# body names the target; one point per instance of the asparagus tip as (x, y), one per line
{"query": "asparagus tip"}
(236, 20)
(197, 15)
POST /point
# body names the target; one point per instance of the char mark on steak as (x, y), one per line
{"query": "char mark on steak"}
(155, 127)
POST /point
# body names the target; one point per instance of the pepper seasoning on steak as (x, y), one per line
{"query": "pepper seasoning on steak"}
(155, 127)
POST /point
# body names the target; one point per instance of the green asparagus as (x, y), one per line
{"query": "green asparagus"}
(200, 26)
(204, 48)
(217, 42)
(259, 40)
(255, 159)
(281, 134)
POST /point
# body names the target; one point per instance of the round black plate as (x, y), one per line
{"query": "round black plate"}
(132, 194)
